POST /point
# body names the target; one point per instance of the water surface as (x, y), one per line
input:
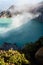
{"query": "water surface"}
(29, 32)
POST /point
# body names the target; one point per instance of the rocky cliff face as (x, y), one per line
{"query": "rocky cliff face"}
(39, 55)
(38, 9)
(8, 13)
(5, 14)
(39, 18)
(13, 10)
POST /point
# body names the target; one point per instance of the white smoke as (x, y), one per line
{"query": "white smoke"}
(18, 20)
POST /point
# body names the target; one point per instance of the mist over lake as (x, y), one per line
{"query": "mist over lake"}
(28, 32)
(21, 23)
(21, 32)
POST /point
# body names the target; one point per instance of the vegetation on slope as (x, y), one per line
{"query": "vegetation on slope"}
(26, 56)
(30, 50)
(12, 57)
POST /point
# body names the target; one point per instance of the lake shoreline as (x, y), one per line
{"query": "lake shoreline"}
(7, 46)
(33, 52)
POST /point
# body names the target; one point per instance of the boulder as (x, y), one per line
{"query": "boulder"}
(39, 55)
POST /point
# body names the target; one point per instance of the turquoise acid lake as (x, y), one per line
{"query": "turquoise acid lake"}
(4, 22)
(29, 32)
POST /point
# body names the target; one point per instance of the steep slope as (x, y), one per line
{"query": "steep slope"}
(38, 9)
(35, 9)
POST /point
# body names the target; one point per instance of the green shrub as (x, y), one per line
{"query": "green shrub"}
(18, 59)
(2, 61)
(13, 57)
